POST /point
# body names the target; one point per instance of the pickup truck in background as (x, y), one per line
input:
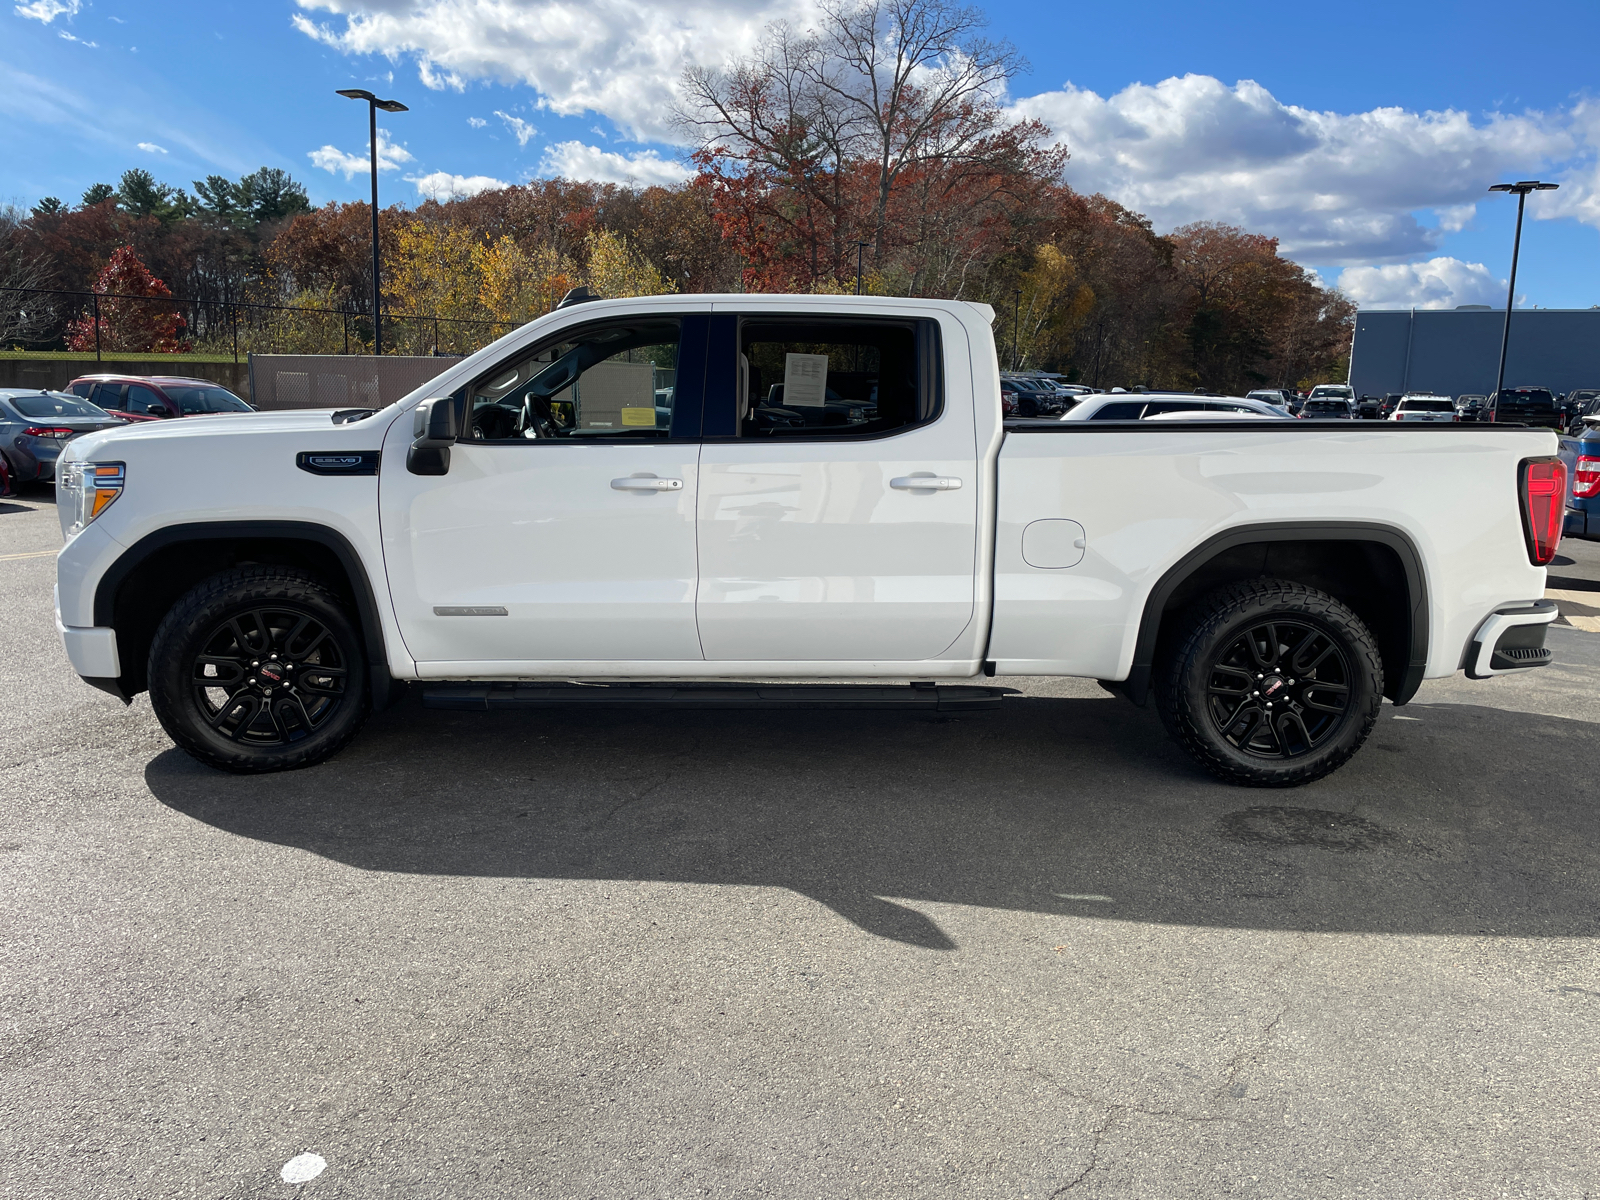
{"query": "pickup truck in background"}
(621, 495)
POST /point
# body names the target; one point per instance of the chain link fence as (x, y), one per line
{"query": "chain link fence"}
(106, 324)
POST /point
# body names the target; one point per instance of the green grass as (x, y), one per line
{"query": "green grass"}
(115, 356)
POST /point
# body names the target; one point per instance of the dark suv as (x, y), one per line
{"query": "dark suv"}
(156, 397)
(1527, 406)
(1581, 403)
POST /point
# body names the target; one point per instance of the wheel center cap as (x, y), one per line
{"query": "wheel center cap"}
(269, 673)
(1273, 687)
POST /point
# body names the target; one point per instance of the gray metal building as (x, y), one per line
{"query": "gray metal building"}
(1457, 351)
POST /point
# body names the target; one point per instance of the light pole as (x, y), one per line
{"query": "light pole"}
(1016, 315)
(1521, 189)
(860, 246)
(373, 105)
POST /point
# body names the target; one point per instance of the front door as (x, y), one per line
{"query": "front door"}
(838, 518)
(564, 531)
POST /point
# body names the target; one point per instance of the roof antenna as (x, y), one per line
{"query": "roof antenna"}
(578, 295)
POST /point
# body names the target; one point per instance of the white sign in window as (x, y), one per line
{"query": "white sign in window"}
(805, 380)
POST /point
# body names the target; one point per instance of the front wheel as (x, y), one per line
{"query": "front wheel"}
(259, 669)
(1274, 684)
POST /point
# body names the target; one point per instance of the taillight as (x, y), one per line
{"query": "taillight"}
(1587, 481)
(1543, 490)
(47, 431)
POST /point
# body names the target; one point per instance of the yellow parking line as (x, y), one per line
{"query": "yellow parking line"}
(1587, 624)
(32, 554)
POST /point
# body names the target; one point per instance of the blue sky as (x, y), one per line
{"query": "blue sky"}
(1361, 134)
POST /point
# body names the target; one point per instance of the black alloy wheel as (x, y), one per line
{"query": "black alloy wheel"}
(1279, 689)
(1270, 683)
(259, 669)
(270, 676)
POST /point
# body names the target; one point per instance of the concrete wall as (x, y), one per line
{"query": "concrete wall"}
(56, 373)
(1453, 351)
(340, 380)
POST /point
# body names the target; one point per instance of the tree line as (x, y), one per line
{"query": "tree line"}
(871, 147)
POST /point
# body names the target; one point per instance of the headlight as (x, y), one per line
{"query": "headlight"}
(84, 490)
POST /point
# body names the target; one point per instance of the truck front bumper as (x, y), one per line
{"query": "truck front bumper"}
(1512, 639)
(92, 652)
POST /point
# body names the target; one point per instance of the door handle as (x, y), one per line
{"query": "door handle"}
(926, 483)
(647, 483)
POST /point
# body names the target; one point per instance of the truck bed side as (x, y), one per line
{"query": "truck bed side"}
(1147, 498)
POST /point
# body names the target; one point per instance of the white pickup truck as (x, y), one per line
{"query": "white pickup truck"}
(665, 499)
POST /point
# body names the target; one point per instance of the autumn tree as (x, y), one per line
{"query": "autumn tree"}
(881, 125)
(616, 269)
(126, 318)
(26, 311)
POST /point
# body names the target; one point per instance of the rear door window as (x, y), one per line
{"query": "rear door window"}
(828, 377)
(109, 396)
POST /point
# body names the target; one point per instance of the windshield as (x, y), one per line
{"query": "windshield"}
(1326, 405)
(192, 400)
(1325, 390)
(1527, 398)
(58, 404)
(1427, 406)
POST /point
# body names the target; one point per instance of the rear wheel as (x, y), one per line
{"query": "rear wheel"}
(259, 669)
(1274, 684)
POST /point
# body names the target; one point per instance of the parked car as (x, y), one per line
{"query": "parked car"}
(1332, 391)
(1277, 397)
(1036, 397)
(1582, 456)
(1327, 409)
(157, 397)
(1424, 406)
(1526, 406)
(1370, 408)
(1470, 405)
(34, 425)
(1127, 406)
(1224, 568)
(1581, 403)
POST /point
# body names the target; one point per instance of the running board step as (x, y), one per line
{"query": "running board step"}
(482, 697)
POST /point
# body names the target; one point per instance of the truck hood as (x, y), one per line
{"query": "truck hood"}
(303, 421)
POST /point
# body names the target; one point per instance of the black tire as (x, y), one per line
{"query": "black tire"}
(259, 669)
(1272, 684)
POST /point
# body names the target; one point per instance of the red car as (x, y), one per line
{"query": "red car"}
(156, 397)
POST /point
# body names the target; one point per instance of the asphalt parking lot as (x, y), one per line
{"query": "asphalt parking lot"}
(1027, 954)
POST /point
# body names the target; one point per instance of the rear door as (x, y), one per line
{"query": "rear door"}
(838, 490)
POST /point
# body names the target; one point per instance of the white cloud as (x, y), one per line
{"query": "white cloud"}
(619, 58)
(49, 10)
(517, 126)
(476, 122)
(441, 185)
(152, 148)
(1333, 187)
(332, 159)
(1437, 283)
(574, 160)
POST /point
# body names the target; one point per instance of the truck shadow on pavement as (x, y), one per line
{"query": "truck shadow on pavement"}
(1462, 820)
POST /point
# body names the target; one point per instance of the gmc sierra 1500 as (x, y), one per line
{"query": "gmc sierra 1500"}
(743, 487)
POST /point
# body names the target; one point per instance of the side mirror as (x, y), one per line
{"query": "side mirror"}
(433, 432)
(156, 410)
